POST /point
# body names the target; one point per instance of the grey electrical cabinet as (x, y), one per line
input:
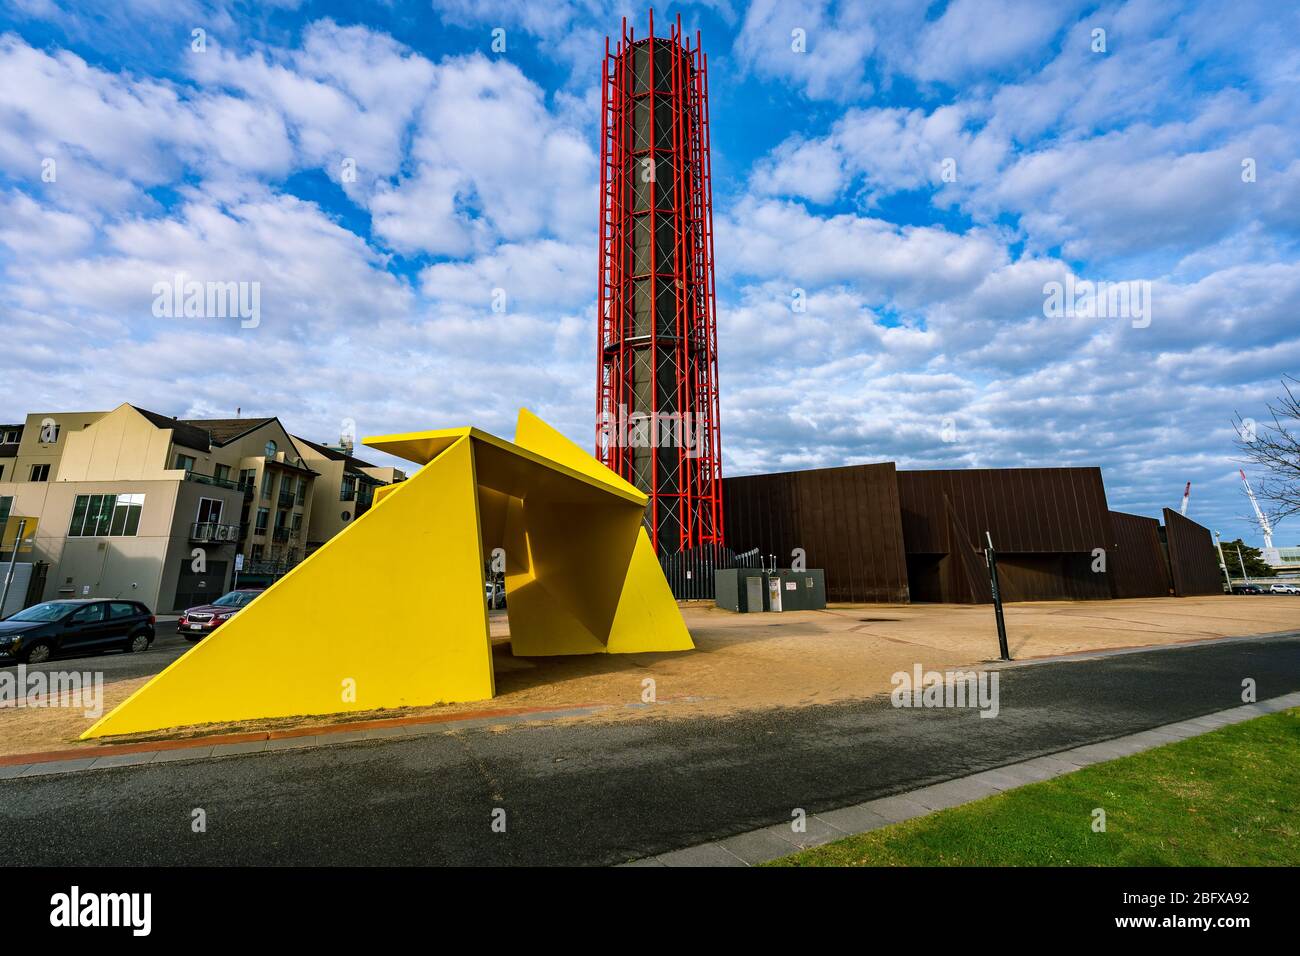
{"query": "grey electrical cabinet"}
(749, 590)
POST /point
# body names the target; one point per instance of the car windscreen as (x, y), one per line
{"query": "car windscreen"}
(38, 613)
(233, 599)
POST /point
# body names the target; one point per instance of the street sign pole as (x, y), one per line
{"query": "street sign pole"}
(991, 558)
(13, 558)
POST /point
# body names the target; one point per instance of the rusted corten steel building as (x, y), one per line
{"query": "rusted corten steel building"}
(1193, 562)
(1138, 565)
(843, 518)
(884, 535)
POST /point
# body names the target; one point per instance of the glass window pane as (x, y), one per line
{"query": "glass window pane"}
(133, 515)
(105, 516)
(119, 519)
(78, 516)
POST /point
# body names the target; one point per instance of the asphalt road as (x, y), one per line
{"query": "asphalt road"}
(120, 665)
(603, 793)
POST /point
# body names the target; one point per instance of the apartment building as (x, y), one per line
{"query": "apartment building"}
(344, 490)
(132, 503)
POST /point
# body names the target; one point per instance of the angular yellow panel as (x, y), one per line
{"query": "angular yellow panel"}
(648, 618)
(535, 435)
(394, 605)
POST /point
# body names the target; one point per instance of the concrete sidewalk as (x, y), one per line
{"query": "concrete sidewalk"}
(774, 842)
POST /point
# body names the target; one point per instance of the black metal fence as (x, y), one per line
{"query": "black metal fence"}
(690, 572)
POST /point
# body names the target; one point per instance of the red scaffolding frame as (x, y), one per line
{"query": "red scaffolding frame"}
(678, 350)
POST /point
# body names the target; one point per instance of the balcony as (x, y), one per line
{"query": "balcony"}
(282, 536)
(210, 480)
(286, 499)
(207, 532)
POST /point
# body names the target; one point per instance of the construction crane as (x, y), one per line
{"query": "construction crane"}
(1264, 526)
(1187, 493)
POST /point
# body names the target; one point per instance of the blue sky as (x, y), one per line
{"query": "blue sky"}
(1119, 161)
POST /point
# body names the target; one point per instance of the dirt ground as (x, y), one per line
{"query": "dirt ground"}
(756, 661)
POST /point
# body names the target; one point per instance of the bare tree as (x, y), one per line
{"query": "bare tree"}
(1274, 448)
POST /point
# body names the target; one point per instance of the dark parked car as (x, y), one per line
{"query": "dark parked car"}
(73, 628)
(1247, 589)
(198, 622)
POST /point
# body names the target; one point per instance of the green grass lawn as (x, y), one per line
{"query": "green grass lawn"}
(1226, 798)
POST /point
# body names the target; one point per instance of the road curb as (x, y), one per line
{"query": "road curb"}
(773, 842)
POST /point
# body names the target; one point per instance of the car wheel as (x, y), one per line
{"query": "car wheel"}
(137, 643)
(38, 653)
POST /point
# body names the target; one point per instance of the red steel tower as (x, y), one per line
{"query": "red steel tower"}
(657, 389)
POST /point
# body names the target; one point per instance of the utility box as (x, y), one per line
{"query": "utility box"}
(750, 590)
(802, 590)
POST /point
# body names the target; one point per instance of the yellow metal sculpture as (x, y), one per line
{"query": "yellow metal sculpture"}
(392, 613)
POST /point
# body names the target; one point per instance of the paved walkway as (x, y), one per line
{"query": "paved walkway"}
(774, 842)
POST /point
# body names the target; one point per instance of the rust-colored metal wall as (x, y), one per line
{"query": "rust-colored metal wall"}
(846, 520)
(1025, 509)
(1045, 523)
(886, 535)
(1193, 562)
(1138, 567)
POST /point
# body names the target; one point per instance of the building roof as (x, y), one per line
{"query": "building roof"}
(183, 433)
(333, 454)
(226, 430)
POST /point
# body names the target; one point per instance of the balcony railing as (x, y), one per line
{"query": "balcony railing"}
(211, 480)
(211, 532)
(286, 500)
(282, 535)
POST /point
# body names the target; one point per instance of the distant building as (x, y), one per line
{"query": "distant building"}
(131, 503)
(345, 489)
(1286, 561)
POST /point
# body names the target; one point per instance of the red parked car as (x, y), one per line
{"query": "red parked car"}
(198, 622)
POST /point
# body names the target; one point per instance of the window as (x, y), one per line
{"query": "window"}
(257, 552)
(90, 614)
(40, 473)
(247, 477)
(97, 516)
(270, 449)
(297, 523)
(280, 518)
(268, 480)
(221, 472)
(209, 511)
(12, 437)
(6, 505)
(185, 463)
(348, 490)
(263, 516)
(302, 491)
(50, 433)
(117, 611)
(2, 472)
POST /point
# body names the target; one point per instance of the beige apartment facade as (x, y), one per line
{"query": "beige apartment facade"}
(131, 503)
(344, 490)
